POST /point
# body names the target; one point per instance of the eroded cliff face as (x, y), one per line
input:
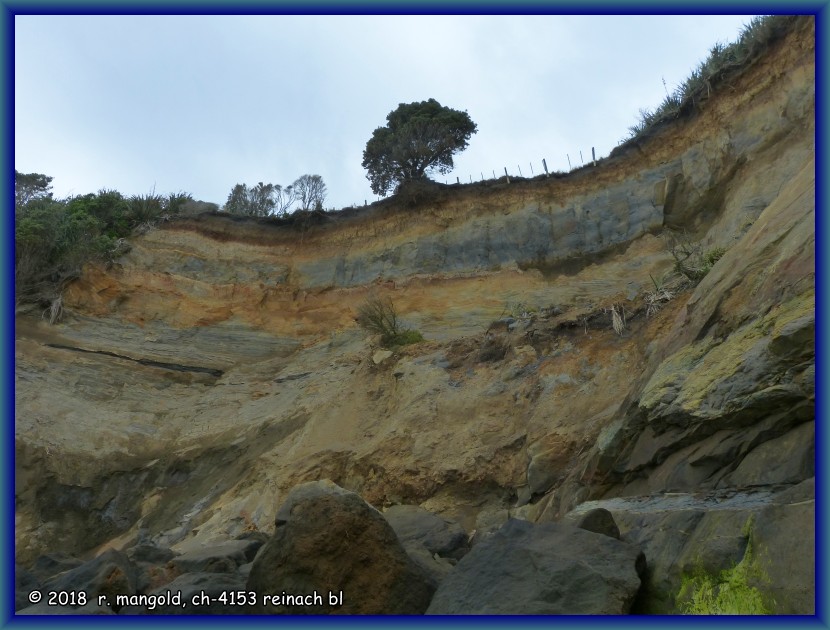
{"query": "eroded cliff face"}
(218, 363)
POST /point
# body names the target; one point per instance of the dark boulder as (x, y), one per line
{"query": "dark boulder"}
(543, 569)
(340, 555)
(110, 574)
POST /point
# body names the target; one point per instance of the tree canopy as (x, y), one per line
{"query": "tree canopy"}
(265, 200)
(418, 138)
(30, 186)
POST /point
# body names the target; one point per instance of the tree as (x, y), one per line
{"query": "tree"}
(284, 198)
(237, 202)
(418, 138)
(311, 191)
(29, 187)
(261, 200)
(257, 201)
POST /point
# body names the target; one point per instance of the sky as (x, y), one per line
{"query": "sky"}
(198, 104)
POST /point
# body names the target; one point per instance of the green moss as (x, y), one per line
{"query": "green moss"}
(730, 592)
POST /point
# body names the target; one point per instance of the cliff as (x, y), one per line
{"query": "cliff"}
(218, 364)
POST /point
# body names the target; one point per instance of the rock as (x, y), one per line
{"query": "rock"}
(90, 608)
(786, 459)
(434, 566)
(414, 524)
(51, 564)
(223, 557)
(686, 542)
(380, 356)
(598, 520)
(783, 536)
(24, 583)
(109, 574)
(545, 569)
(329, 541)
(662, 538)
(194, 594)
(150, 577)
(150, 553)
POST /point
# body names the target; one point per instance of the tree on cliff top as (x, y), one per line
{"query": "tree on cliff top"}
(418, 137)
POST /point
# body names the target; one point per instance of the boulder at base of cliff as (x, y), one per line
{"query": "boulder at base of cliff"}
(542, 569)
(110, 574)
(333, 553)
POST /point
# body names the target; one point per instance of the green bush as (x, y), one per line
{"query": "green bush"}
(378, 315)
(403, 338)
(55, 238)
(690, 261)
(730, 592)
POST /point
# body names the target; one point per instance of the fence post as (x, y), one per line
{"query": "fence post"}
(520, 170)
(506, 175)
(494, 173)
(471, 178)
(593, 156)
(457, 179)
(531, 169)
(580, 157)
(545, 164)
(570, 168)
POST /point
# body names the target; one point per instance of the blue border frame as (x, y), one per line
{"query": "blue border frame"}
(9, 8)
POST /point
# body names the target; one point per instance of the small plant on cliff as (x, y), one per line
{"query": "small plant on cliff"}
(690, 260)
(378, 315)
(730, 591)
(655, 299)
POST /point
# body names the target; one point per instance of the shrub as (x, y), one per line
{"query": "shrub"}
(730, 591)
(55, 238)
(378, 315)
(690, 260)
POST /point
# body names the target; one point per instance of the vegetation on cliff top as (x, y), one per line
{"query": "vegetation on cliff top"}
(53, 238)
(724, 61)
(265, 200)
(418, 138)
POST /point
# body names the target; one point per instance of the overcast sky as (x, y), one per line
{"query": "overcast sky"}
(201, 103)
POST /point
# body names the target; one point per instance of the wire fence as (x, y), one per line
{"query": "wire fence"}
(533, 172)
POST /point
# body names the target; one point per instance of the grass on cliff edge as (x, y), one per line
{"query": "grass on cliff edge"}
(724, 61)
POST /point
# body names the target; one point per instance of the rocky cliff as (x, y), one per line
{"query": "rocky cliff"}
(218, 364)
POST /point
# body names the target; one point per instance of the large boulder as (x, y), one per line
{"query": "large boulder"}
(775, 533)
(543, 569)
(335, 554)
(110, 574)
